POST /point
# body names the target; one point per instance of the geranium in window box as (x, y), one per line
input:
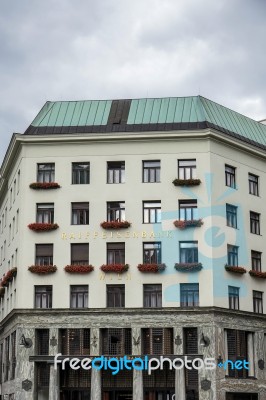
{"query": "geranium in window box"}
(78, 269)
(42, 269)
(233, 268)
(42, 227)
(118, 268)
(8, 277)
(151, 267)
(44, 185)
(257, 274)
(186, 182)
(183, 224)
(2, 291)
(188, 267)
(115, 224)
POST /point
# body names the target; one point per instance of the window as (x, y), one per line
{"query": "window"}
(230, 176)
(189, 294)
(78, 296)
(44, 254)
(80, 173)
(254, 223)
(43, 296)
(157, 341)
(190, 340)
(45, 213)
(237, 350)
(187, 169)
(46, 172)
(231, 216)
(115, 295)
(116, 211)
(115, 253)
(188, 252)
(79, 254)
(257, 302)
(151, 171)
(152, 253)
(80, 213)
(255, 260)
(151, 212)
(253, 182)
(233, 295)
(188, 210)
(116, 172)
(74, 341)
(152, 295)
(116, 341)
(232, 255)
(42, 342)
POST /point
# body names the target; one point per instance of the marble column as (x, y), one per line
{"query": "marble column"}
(54, 374)
(207, 377)
(137, 375)
(96, 384)
(180, 386)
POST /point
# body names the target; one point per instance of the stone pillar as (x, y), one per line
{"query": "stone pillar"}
(137, 375)
(251, 371)
(207, 377)
(180, 386)
(54, 374)
(96, 387)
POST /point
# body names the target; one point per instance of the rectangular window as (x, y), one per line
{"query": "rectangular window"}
(115, 253)
(116, 211)
(44, 254)
(151, 212)
(230, 176)
(45, 213)
(188, 252)
(233, 295)
(116, 341)
(42, 342)
(78, 296)
(115, 296)
(190, 340)
(43, 296)
(74, 341)
(79, 253)
(152, 253)
(157, 341)
(231, 216)
(115, 171)
(187, 169)
(232, 255)
(257, 302)
(253, 182)
(151, 171)
(237, 350)
(188, 210)
(254, 223)
(81, 173)
(256, 260)
(45, 172)
(189, 294)
(80, 213)
(152, 296)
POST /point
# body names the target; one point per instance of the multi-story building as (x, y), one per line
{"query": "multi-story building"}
(134, 227)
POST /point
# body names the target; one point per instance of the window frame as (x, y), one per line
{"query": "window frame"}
(187, 171)
(190, 210)
(256, 260)
(45, 213)
(44, 259)
(253, 184)
(120, 171)
(112, 210)
(231, 215)
(77, 173)
(230, 176)
(186, 291)
(48, 298)
(232, 255)
(188, 254)
(77, 295)
(233, 297)
(151, 174)
(254, 222)
(43, 174)
(112, 291)
(117, 253)
(152, 295)
(81, 261)
(158, 252)
(153, 212)
(82, 214)
(257, 297)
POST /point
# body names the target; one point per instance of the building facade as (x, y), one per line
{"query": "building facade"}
(134, 228)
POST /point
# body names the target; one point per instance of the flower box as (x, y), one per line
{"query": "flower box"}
(186, 182)
(42, 269)
(188, 267)
(183, 224)
(115, 224)
(42, 227)
(151, 267)
(118, 268)
(78, 269)
(257, 274)
(237, 270)
(8, 277)
(2, 291)
(44, 185)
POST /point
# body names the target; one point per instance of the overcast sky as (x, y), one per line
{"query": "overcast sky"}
(107, 49)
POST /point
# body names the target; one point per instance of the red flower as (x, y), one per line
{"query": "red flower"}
(188, 267)
(78, 269)
(42, 269)
(8, 277)
(257, 274)
(119, 268)
(233, 268)
(42, 227)
(182, 224)
(44, 185)
(151, 267)
(186, 182)
(115, 224)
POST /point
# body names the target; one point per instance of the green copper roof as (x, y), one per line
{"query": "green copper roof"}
(175, 113)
